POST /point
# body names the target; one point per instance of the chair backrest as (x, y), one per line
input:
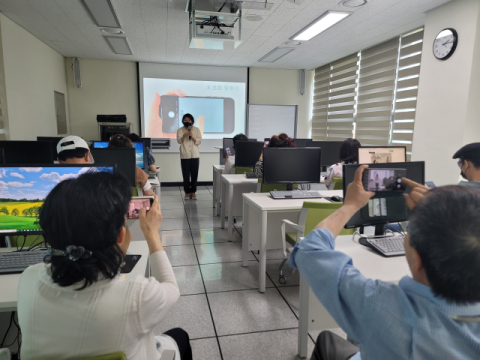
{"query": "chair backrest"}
(320, 211)
(338, 183)
(270, 187)
(243, 170)
(116, 356)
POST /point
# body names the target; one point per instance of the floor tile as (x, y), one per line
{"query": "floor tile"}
(204, 197)
(231, 276)
(274, 254)
(176, 237)
(189, 280)
(181, 255)
(192, 204)
(205, 349)
(200, 192)
(174, 224)
(246, 311)
(170, 198)
(205, 223)
(191, 313)
(292, 295)
(278, 345)
(293, 278)
(169, 188)
(173, 213)
(172, 205)
(220, 252)
(208, 236)
(200, 212)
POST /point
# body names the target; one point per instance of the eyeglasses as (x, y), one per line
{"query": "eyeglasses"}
(459, 163)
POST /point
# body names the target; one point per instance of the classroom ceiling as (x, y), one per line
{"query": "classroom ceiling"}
(157, 30)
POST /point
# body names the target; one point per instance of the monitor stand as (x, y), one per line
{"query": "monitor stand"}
(379, 229)
(289, 186)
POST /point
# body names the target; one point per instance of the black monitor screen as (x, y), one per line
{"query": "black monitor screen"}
(302, 142)
(330, 151)
(54, 140)
(247, 153)
(228, 145)
(252, 140)
(147, 142)
(24, 189)
(124, 158)
(291, 165)
(384, 207)
(27, 152)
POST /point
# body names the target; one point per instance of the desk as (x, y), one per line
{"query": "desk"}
(9, 283)
(262, 218)
(222, 154)
(155, 182)
(217, 173)
(233, 186)
(312, 314)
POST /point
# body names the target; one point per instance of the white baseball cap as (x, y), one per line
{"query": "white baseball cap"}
(71, 143)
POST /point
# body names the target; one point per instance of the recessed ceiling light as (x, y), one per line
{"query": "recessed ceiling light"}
(112, 31)
(319, 25)
(292, 43)
(119, 45)
(102, 13)
(353, 3)
(253, 17)
(276, 54)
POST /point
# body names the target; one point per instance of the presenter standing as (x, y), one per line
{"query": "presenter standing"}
(189, 137)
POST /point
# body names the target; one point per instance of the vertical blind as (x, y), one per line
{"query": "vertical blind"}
(371, 93)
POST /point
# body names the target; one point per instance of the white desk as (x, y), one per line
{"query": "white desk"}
(155, 182)
(262, 218)
(222, 155)
(313, 315)
(233, 187)
(217, 173)
(9, 283)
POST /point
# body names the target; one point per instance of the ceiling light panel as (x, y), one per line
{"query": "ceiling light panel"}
(102, 13)
(276, 54)
(319, 25)
(119, 45)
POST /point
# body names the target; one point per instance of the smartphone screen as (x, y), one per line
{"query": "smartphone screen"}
(136, 204)
(384, 179)
(211, 109)
(229, 152)
(265, 144)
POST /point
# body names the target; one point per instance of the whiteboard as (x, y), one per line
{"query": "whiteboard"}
(263, 121)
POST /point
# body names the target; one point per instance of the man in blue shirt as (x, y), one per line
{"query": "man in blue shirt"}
(435, 314)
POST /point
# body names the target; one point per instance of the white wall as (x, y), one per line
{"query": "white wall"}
(33, 71)
(448, 105)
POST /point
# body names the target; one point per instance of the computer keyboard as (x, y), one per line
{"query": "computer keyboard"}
(388, 246)
(16, 262)
(251, 176)
(295, 194)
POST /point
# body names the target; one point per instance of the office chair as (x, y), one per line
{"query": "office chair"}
(312, 213)
(262, 188)
(337, 184)
(242, 170)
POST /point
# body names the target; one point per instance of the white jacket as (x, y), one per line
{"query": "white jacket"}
(189, 148)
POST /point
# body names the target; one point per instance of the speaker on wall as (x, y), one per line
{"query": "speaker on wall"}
(302, 82)
(77, 80)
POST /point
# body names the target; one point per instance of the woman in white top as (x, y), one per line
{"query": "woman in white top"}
(348, 155)
(78, 304)
(189, 137)
(230, 159)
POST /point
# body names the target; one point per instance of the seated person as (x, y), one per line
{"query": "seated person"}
(469, 163)
(435, 314)
(73, 150)
(150, 159)
(230, 160)
(348, 155)
(122, 142)
(78, 304)
(281, 140)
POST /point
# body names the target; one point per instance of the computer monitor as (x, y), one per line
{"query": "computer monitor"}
(252, 140)
(25, 188)
(228, 144)
(247, 153)
(147, 142)
(330, 151)
(27, 152)
(386, 206)
(381, 154)
(301, 142)
(291, 165)
(123, 158)
(2, 160)
(140, 154)
(54, 140)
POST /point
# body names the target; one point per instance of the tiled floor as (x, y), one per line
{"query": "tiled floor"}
(220, 307)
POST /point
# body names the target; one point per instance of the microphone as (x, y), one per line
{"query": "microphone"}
(189, 128)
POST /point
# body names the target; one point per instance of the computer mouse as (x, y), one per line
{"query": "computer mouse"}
(336, 198)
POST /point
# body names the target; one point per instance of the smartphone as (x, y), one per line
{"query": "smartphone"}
(266, 141)
(384, 179)
(229, 152)
(430, 184)
(130, 262)
(136, 204)
(219, 113)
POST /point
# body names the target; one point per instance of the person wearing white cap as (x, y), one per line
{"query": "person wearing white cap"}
(73, 150)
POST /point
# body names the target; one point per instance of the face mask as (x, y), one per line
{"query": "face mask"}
(462, 174)
(187, 124)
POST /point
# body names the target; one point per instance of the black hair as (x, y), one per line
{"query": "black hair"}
(239, 137)
(88, 211)
(75, 153)
(474, 161)
(445, 231)
(188, 116)
(349, 151)
(282, 140)
(120, 141)
(134, 137)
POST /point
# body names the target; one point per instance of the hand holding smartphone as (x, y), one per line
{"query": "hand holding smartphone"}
(138, 203)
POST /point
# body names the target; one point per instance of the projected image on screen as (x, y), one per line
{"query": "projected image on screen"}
(218, 107)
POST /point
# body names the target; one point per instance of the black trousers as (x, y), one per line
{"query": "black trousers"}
(190, 174)
(183, 341)
(330, 346)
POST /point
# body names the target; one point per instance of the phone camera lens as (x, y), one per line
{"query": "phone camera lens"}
(171, 114)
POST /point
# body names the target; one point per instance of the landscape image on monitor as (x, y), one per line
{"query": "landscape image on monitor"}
(23, 191)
